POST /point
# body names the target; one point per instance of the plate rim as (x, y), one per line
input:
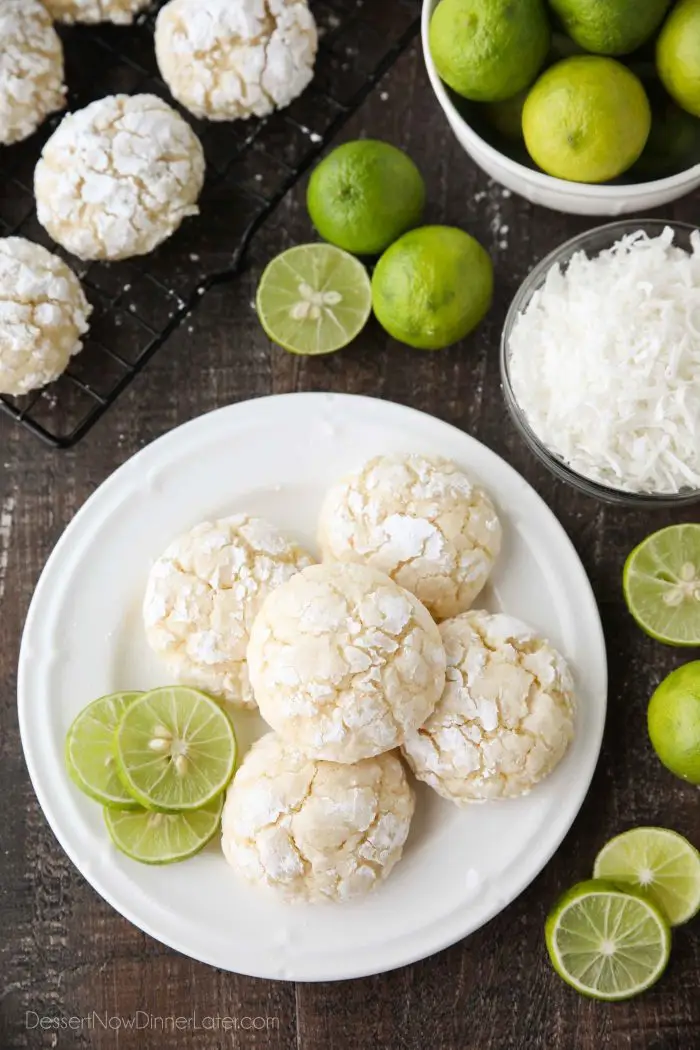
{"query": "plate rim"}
(203, 421)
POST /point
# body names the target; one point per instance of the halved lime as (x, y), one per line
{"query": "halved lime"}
(163, 838)
(658, 861)
(175, 749)
(605, 942)
(89, 755)
(314, 299)
(661, 583)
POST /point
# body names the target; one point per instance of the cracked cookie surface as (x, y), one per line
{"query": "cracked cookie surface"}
(344, 662)
(227, 61)
(118, 177)
(31, 69)
(43, 315)
(204, 593)
(121, 12)
(422, 521)
(506, 717)
(314, 830)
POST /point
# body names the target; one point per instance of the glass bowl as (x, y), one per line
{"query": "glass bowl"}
(592, 242)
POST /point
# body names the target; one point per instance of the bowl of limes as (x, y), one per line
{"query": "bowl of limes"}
(586, 106)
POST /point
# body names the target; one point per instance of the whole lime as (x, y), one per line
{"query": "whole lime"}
(678, 55)
(507, 117)
(611, 27)
(673, 720)
(364, 195)
(432, 287)
(488, 50)
(587, 119)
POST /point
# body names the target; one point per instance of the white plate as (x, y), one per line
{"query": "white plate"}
(83, 638)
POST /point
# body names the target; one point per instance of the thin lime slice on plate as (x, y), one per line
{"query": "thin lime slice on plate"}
(163, 838)
(89, 753)
(175, 749)
(314, 299)
(661, 582)
(605, 942)
(658, 861)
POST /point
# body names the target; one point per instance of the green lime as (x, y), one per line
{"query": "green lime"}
(659, 862)
(507, 117)
(432, 287)
(586, 119)
(163, 838)
(673, 721)
(678, 55)
(673, 145)
(488, 50)
(610, 27)
(661, 584)
(89, 755)
(175, 749)
(606, 942)
(314, 299)
(364, 195)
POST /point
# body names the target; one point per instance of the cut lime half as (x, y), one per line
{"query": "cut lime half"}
(175, 749)
(661, 582)
(89, 753)
(658, 861)
(605, 942)
(314, 299)
(163, 838)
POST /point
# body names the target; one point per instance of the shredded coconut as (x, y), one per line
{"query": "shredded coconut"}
(315, 831)
(605, 364)
(118, 177)
(121, 12)
(420, 520)
(31, 69)
(225, 60)
(43, 314)
(344, 662)
(204, 593)
(505, 718)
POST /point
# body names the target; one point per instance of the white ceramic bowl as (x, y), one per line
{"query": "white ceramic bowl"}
(574, 197)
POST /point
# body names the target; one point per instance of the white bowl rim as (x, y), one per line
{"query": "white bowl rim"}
(537, 178)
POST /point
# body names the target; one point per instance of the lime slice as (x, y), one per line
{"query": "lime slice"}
(89, 755)
(661, 581)
(314, 299)
(163, 838)
(175, 749)
(658, 861)
(605, 942)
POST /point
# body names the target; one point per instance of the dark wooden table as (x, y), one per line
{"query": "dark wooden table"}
(66, 953)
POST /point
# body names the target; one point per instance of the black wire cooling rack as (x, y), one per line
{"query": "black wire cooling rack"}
(251, 166)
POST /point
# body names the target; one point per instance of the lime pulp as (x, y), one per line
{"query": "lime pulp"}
(175, 749)
(605, 942)
(661, 583)
(163, 838)
(314, 299)
(659, 862)
(89, 754)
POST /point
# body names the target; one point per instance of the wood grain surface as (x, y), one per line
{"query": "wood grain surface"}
(64, 952)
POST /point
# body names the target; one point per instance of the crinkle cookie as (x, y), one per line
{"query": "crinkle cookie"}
(315, 831)
(224, 60)
(422, 521)
(344, 663)
(121, 12)
(506, 717)
(43, 314)
(205, 591)
(31, 69)
(118, 177)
